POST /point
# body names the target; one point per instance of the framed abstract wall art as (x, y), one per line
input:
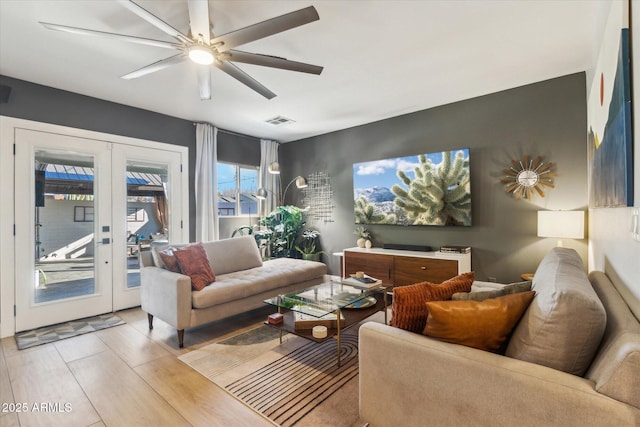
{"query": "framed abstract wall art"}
(610, 145)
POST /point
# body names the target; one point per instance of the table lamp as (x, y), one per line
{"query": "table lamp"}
(561, 225)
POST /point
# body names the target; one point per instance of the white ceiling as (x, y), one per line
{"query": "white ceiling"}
(381, 58)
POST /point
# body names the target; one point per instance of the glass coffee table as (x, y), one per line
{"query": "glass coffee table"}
(325, 303)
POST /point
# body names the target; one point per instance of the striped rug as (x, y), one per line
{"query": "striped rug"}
(284, 382)
(288, 388)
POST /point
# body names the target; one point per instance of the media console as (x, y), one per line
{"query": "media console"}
(400, 267)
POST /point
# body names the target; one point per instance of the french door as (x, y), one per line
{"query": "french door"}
(147, 211)
(84, 209)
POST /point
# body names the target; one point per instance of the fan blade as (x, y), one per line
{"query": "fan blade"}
(204, 81)
(243, 77)
(156, 66)
(154, 20)
(265, 28)
(122, 37)
(271, 61)
(199, 19)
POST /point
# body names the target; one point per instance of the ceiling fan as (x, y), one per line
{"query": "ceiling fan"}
(205, 49)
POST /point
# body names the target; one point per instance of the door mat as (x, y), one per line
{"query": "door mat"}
(297, 382)
(70, 329)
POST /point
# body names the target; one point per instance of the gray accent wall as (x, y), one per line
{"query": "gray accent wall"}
(546, 118)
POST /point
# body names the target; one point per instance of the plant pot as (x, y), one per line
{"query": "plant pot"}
(311, 257)
(360, 242)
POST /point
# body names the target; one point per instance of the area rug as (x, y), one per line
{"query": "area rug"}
(297, 382)
(70, 329)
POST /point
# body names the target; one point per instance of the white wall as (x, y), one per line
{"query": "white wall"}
(60, 235)
(611, 247)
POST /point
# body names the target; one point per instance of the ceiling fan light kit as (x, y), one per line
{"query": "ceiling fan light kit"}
(201, 54)
(205, 49)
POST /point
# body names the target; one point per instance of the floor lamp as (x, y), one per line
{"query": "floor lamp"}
(274, 168)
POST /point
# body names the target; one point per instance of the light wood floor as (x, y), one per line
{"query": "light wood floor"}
(121, 376)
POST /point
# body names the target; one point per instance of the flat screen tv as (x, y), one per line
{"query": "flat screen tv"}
(425, 189)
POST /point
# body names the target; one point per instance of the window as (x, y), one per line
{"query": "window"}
(237, 187)
(83, 214)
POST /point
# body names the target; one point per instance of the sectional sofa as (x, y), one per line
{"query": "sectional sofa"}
(573, 360)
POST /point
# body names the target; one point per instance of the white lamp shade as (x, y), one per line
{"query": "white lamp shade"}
(261, 194)
(301, 182)
(561, 224)
(274, 168)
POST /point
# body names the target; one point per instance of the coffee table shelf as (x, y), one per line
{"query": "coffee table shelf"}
(330, 301)
(351, 317)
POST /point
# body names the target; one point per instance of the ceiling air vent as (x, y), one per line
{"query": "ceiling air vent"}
(280, 120)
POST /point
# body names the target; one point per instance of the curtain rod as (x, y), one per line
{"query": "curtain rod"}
(229, 132)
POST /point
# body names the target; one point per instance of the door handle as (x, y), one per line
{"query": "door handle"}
(105, 241)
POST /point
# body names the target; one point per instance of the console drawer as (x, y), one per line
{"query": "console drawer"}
(410, 270)
(374, 265)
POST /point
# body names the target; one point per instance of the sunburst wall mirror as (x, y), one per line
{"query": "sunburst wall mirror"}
(526, 177)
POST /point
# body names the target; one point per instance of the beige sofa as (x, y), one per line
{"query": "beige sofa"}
(412, 380)
(243, 282)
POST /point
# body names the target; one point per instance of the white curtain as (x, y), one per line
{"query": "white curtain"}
(268, 181)
(206, 182)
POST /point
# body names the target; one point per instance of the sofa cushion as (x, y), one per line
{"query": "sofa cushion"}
(564, 324)
(236, 254)
(479, 324)
(273, 274)
(615, 369)
(511, 288)
(155, 253)
(193, 262)
(408, 310)
(169, 260)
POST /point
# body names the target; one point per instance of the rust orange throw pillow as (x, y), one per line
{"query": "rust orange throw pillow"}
(408, 310)
(193, 262)
(479, 324)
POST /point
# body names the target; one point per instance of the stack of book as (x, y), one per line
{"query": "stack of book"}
(365, 282)
(455, 249)
(306, 317)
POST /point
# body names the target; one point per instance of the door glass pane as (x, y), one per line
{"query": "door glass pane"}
(147, 213)
(64, 226)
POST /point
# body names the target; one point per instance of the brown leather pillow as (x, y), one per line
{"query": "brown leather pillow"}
(479, 324)
(408, 310)
(169, 259)
(194, 262)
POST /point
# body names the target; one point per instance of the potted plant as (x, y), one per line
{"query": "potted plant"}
(307, 247)
(283, 226)
(363, 237)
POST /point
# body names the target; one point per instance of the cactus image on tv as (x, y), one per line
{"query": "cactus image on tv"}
(425, 189)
